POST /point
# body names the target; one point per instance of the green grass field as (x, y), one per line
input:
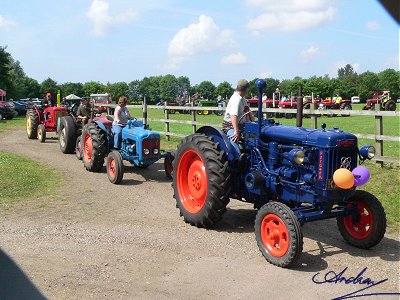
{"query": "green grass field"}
(353, 124)
(24, 178)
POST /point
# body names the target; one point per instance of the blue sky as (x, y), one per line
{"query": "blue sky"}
(121, 40)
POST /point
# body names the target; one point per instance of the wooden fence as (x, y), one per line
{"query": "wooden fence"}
(314, 114)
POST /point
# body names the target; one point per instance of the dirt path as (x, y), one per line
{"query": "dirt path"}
(97, 240)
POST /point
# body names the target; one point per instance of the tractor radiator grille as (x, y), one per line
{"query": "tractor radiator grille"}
(345, 157)
(151, 144)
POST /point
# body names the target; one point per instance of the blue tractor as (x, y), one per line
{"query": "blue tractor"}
(140, 146)
(291, 174)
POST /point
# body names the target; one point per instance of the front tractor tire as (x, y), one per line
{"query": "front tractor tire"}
(278, 234)
(168, 165)
(200, 180)
(94, 147)
(368, 229)
(67, 135)
(32, 122)
(41, 133)
(115, 167)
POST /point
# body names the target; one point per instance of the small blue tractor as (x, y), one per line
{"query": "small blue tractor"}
(291, 174)
(140, 146)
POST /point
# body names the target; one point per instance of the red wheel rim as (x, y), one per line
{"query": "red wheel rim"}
(87, 148)
(274, 235)
(112, 167)
(361, 229)
(192, 181)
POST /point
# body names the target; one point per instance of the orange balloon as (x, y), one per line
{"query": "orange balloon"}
(343, 178)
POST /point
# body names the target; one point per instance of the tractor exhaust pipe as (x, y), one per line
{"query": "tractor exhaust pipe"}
(260, 84)
(299, 115)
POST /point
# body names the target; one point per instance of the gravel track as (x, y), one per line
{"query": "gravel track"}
(98, 240)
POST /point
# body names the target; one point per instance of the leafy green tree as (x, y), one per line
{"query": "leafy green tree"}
(134, 93)
(75, 88)
(150, 88)
(48, 85)
(389, 80)
(272, 84)
(17, 75)
(206, 89)
(6, 82)
(169, 87)
(117, 90)
(31, 88)
(184, 85)
(368, 83)
(224, 89)
(93, 87)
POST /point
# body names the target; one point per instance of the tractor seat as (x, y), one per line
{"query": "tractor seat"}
(103, 118)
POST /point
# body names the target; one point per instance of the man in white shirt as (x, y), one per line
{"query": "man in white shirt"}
(237, 111)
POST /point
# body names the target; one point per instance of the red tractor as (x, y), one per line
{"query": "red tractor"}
(40, 120)
(335, 103)
(382, 98)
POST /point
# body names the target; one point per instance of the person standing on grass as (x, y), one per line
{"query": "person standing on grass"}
(238, 110)
(121, 117)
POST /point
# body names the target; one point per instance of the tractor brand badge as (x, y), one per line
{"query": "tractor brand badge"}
(345, 162)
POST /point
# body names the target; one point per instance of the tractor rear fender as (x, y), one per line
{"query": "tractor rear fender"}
(103, 127)
(229, 147)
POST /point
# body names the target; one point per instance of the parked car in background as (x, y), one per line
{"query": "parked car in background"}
(20, 107)
(8, 111)
(355, 99)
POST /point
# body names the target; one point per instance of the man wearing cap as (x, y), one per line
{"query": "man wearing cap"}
(83, 111)
(238, 110)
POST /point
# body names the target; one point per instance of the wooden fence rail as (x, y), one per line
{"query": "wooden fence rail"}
(314, 114)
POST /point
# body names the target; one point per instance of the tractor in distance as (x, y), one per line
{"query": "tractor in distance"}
(40, 120)
(292, 175)
(139, 146)
(382, 98)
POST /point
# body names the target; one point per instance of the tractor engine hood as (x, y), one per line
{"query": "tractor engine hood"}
(304, 136)
(139, 133)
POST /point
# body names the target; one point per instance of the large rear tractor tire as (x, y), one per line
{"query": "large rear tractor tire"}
(32, 122)
(94, 147)
(78, 148)
(278, 234)
(201, 180)
(41, 133)
(67, 135)
(369, 228)
(115, 167)
(168, 165)
(390, 105)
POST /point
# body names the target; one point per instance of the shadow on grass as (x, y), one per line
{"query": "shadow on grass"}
(14, 283)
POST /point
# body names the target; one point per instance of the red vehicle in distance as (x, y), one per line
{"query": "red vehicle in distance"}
(382, 98)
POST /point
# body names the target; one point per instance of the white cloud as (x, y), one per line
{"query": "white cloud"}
(99, 14)
(308, 54)
(6, 23)
(291, 15)
(373, 25)
(234, 59)
(265, 75)
(287, 5)
(199, 37)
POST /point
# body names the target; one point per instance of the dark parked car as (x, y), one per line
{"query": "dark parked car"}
(20, 108)
(8, 111)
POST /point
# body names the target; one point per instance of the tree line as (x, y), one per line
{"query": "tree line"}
(348, 83)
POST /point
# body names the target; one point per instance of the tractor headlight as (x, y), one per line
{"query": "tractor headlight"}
(297, 156)
(155, 151)
(146, 151)
(367, 152)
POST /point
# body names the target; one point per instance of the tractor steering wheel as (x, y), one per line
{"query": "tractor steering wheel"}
(245, 114)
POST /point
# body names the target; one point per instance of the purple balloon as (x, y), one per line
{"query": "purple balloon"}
(361, 175)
